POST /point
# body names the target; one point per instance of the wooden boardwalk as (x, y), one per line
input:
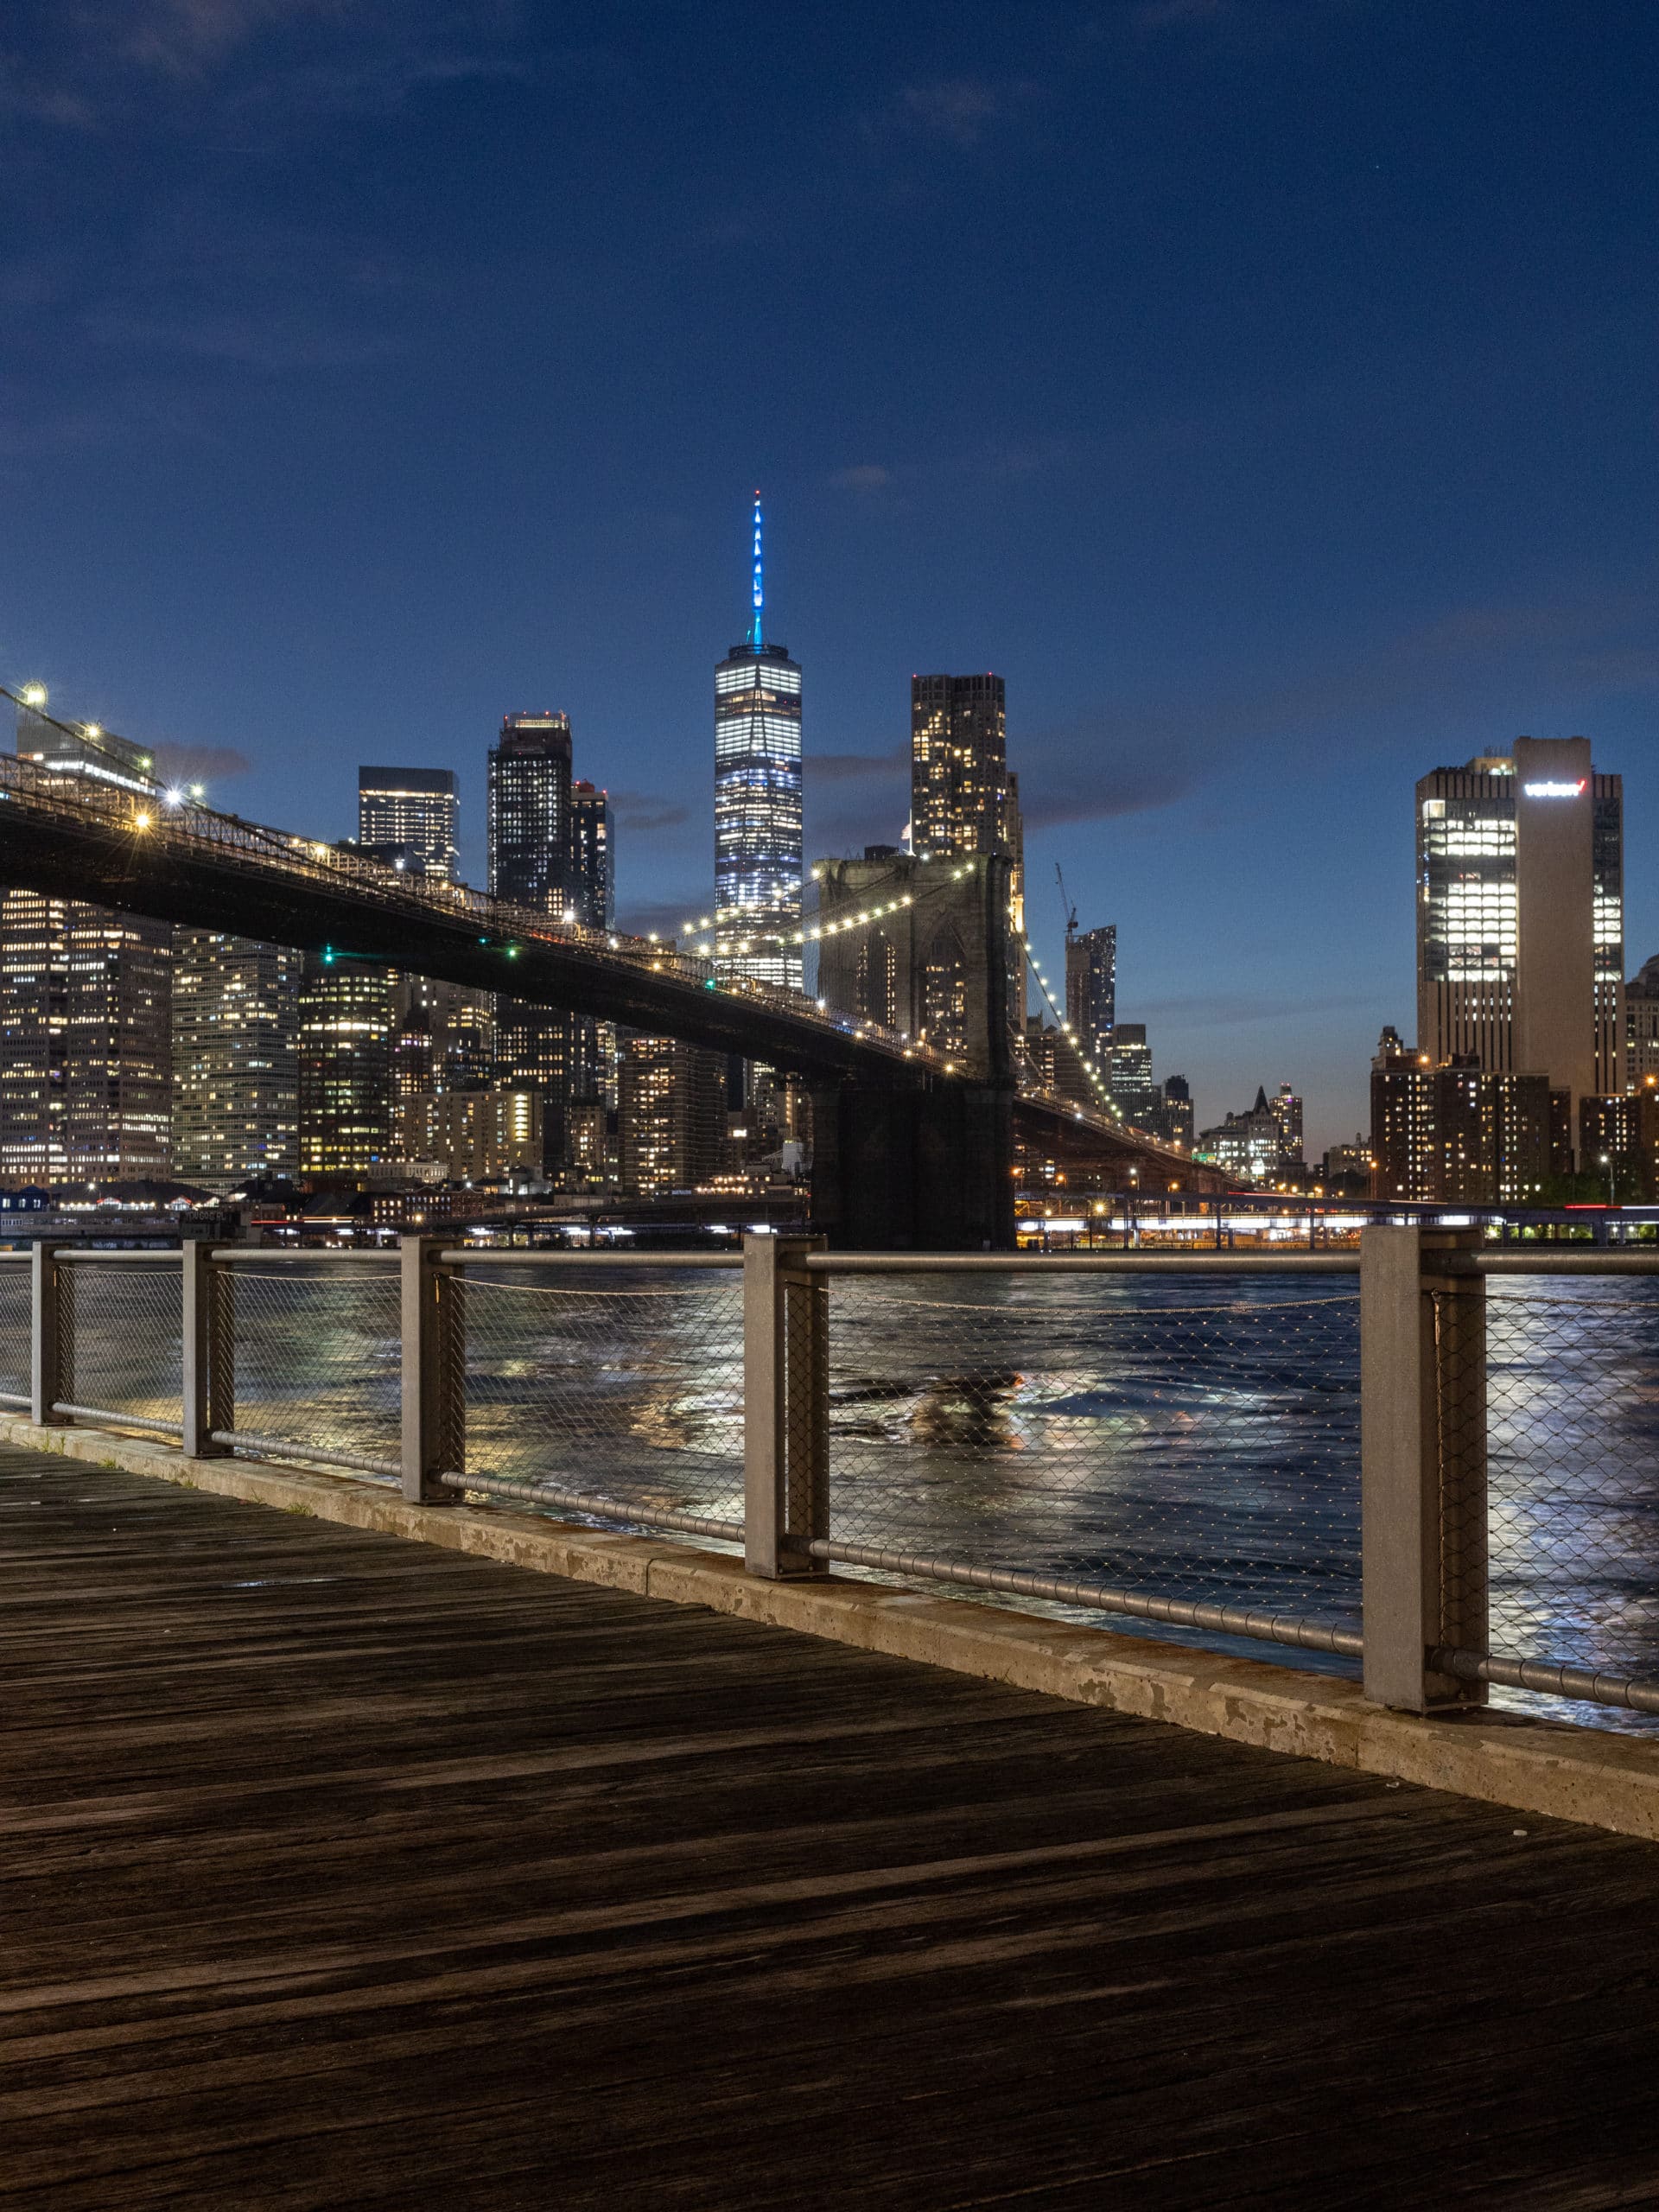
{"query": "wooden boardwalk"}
(337, 1871)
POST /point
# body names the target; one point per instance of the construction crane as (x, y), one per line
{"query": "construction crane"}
(1071, 910)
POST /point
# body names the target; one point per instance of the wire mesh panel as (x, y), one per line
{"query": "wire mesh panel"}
(1173, 1440)
(625, 1382)
(1571, 1390)
(122, 1330)
(319, 1355)
(14, 1326)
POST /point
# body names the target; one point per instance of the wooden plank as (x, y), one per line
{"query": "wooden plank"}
(338, 1871)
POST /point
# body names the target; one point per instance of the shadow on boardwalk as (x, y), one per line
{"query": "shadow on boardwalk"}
(344, 1872)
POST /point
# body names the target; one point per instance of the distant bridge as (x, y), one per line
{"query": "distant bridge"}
(913, 1146)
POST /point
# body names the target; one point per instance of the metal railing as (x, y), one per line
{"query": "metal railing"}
(1214, 1445)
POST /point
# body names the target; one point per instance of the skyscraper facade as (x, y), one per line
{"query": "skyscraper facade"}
(345, 1027)
(85, 1054)
(235, 1059)
(1134, 1092)
(529, 810)
(1520, 916)
(758, 801)
(593, 856)
(1091, 990)
(412, 812)
(958, 765)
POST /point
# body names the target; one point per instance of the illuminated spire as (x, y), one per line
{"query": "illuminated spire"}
(757, 629)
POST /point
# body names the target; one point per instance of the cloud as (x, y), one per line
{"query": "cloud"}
(856, 767)
(198, 764)
(863, 476)
(957, 108)
(645, 813)
(1118, 789)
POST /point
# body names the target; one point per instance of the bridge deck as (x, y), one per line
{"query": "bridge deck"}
(341, 1872)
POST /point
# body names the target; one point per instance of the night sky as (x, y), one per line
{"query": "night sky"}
(1265, 388)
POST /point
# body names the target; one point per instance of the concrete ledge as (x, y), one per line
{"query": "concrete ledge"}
(1574, 1774)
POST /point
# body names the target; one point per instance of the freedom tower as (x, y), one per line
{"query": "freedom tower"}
(758, 802)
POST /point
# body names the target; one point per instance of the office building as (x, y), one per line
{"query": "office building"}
(1174, 1122)
(1619, 1144)
(671, 1114)
(1641, 1026)
(346, 1015)
(1092, 989)
(477, 1136)
(529, 811)
(592, 857)
(959, 796)
(1457, 1131)
(1129, 1076)
(85, 1052)
(1520, 928)
(1053, 1063)
(758, 866)
(411, 816)
(236, 1080)
(85, 1049)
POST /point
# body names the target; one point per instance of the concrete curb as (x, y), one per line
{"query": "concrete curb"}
(1565, 1773)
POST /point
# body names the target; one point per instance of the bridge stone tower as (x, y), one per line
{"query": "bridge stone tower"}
(921, 947)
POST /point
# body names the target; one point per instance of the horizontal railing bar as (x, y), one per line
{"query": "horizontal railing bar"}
(388, 1256)
(283, 1447)
(15, 1398)
(112, 1258)
(610, 1508)
(1549, 1677)
(1079, 1263)
(121, 1421)
(1176, 1613)
(1547, 1260)
(455, 1254)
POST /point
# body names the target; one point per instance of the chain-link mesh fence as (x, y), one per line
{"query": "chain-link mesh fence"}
(15, 1335)
(618, 1383)
(119, 1327)
(1176, 1440)
(1566, 1405)
(319, 1357)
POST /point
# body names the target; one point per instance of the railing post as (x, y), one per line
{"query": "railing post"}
(209, 1348)
(786, 1407)
(434, 1371)
(50, 1335)
(1423, 1503)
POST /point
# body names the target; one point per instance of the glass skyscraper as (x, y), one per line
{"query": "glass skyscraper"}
(758, 802)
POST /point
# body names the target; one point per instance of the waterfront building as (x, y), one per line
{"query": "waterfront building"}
(347, 1014)
(1347, 1168)
(1129, 1076)
(86, 1046)
(476, 1135)
(1250, 1146)
(671, 1114)
(1619, 1143)
(959, 796)
(1174, 1122)
(1520, 907)
(235, 1102)
(758, 852)
(1092, 989)
(1641, 1026)
(412, 814)
(1460, 1132)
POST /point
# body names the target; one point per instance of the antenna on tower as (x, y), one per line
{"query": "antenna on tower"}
(757, 629)
(1071, 910)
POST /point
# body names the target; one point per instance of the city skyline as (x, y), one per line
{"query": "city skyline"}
(1304, 438)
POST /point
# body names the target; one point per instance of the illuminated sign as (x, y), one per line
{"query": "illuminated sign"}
(1555, 790)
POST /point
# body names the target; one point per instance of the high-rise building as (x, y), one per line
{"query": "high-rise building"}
(758, 802)
(85, 1052)
(412, 813)
(235, 1102)
(477, 1135)
(1250, 1146)
(671, 1114)
(1174, 1122)
(1459, 1132)
(529, 812)
(593, 856)
(346, 1029)
(1134, 1092)
(958, 765)
(1520, 916)
(1287, 1109)
(1092, 989)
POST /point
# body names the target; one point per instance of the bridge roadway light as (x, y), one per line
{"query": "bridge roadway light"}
(33, 695)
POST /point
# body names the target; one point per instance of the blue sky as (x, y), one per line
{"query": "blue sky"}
(1266, 388)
